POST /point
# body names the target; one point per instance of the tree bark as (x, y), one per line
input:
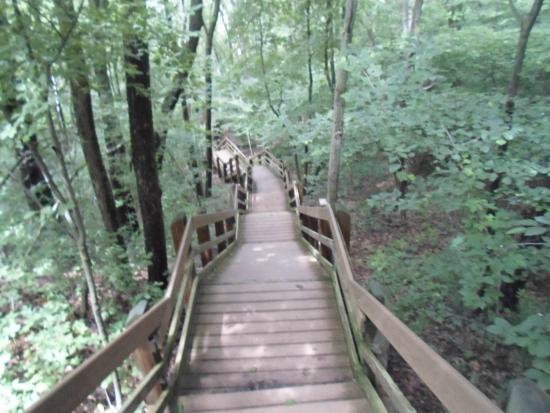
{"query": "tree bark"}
(82, 107)
(526, 24)
(208, 109)
(143, 142)
(309, 55)
(170, 101)
(330, 72)
(82, 245)
(262, 63)
(114, 141)
(339, 103)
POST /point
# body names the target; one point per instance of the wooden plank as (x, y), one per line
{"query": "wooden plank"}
(275, 350)
(270, 364)
(220, 288)
(251, 297)
(259, 379)
(270, 397)
(203, 237)
(212, 243)
(75, 387)
(219, 228)
(178, 228)
(344, 222)
(264, 306)
(340, 406)
(323, 239)
(326, 247)
(455, 392)
(315, 212)
(207, 219)
(266, 316)
(144, 387)
(205, 340)
(384, 381)
(268, 327)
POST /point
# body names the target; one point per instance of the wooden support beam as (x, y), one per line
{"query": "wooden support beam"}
(324, 229)
(229, 225)
(219, 228)
(203, 235)
(344, 221)
(178, 227)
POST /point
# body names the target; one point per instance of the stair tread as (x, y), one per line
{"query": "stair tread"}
(270, 397)
(252, 380)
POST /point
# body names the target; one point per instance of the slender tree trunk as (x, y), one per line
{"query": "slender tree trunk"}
(180, 79)
(338, 111)
(262, 63)
(114, 141)
(416, 14)
(309, 54)
(208, 109)
(82, 107)
(82, 245)
(526, 24)
(143, 141)
(330, 72)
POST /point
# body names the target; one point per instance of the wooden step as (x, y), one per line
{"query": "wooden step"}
(316, 314)
(274, 350)
(215, 340)
(286, 396)
(268, 327)
(339, 406)
(269, 364)
(211, 286)
(251, 297)
(305, 304)
(263, 380)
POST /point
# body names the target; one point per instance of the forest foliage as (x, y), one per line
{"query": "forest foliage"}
(430, 143)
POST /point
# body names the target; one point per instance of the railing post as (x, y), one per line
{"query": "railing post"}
(231, 168)
(237, 170)
(324, 229)
(143, 356)
(219, 168)
(203, 235)
(344, 222)
(178, 227)
(229, 224)
(219, 227)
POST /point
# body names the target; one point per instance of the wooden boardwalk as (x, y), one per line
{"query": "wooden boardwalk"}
(267, 334)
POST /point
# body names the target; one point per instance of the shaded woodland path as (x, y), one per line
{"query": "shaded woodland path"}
(267, 331)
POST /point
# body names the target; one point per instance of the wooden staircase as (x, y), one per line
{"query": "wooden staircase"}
(262, 313)
(267, 333)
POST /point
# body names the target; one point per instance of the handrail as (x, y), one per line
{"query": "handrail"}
(454, 391)
(160, 323)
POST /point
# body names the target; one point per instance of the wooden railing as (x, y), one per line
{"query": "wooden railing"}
(157, 339)
(322, 231)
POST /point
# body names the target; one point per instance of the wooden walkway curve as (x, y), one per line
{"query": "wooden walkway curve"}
(267, 336)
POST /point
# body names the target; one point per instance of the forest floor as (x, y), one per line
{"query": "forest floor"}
(469, 348)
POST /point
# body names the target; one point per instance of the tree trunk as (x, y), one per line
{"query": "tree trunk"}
(330, 72)
(82, 245)
(180, 79)
(208, 109)
(143, 141)
(114, 141)
(338, 111)
(309, 56)
(82, 107)
(526, 24)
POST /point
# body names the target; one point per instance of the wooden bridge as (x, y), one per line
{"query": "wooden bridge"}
(262, 314)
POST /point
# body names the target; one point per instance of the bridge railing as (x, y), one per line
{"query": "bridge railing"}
(323, 232)
(156, 339)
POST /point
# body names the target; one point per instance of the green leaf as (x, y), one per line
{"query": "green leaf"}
(535, 231)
